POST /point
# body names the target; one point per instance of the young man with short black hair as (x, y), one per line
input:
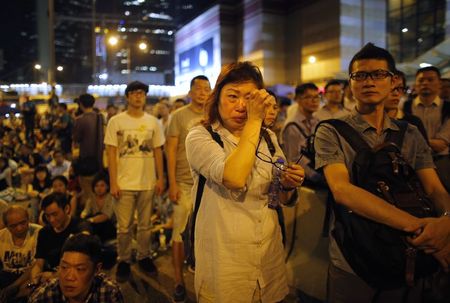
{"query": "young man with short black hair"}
(134, 141)
(371, 81)
(56, 209)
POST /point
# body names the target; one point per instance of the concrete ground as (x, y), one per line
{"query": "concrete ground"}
(143, 288)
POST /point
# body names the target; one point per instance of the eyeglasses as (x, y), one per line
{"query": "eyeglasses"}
(311, 98)
(378, 74)
(399, 89)
(268, 159)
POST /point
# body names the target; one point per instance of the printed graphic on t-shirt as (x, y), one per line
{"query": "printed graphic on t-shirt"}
(17, 261)
(135, 143)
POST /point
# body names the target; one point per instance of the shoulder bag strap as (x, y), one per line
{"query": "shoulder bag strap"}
(201, 185)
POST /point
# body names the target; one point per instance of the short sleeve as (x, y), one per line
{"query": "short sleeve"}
(111, 133)
(204, 155)
(173, 130)
(327, 146)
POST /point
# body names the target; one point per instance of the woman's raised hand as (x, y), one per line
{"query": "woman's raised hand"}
(257, 102)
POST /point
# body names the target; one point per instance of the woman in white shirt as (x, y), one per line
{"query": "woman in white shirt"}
(238, 241)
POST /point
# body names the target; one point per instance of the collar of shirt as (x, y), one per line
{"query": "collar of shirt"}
(436, 102)
(224, 133)
(362, 125)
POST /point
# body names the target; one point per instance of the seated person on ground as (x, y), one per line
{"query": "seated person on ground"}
(51, 238)
(17, 249)
(79, 277)
(99, 210)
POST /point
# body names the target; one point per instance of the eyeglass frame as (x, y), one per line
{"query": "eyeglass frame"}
(400, 89)
(279, 166)
(371, 75)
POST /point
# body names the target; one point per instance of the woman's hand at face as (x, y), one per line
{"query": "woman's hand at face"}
(257, 102)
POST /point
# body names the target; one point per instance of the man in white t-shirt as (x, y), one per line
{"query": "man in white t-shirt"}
(17, 249)
(134, 141)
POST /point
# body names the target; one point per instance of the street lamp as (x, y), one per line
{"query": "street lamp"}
(60, 68)
(143, 46)
(37, 66)
(114, 40)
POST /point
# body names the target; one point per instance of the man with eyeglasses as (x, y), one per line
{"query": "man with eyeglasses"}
(435, 115)
(371, 80)
(134, 141)
(334, 107)
(298, 128)
(391, 105)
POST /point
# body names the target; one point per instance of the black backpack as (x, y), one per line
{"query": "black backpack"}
(376, 252)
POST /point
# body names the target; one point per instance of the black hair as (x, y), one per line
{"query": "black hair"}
(61, 178)
(100, 177)
(87, 100)
(199, 77)
(60, 199)
(88, 245)
(48, 178)
(136, 85)
(429, 69)
(63, 105)
(332, 82)
(370, 51)
(111, 106)
(302, 88)
(180, 100)
(402, 76)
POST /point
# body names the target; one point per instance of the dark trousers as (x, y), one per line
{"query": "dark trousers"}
(344, 287)
(7, 278)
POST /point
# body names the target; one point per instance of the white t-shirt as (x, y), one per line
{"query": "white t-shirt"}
(135, 139)
(17, 259)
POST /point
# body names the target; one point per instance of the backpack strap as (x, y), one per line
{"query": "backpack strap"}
(265, 134)
(348, 133)
(298, 127)
(397, 137)
(201, 185)
(407, 107)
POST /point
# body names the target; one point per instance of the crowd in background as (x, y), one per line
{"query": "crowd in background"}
(40, 153)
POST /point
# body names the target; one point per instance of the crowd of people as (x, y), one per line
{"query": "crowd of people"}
(230, 159)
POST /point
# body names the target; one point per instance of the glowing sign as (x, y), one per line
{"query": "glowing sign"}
(198, 57)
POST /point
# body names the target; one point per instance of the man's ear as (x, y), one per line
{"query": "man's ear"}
(67, 209)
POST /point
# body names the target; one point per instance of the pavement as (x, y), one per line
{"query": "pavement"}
(155, 288)
(158, 288)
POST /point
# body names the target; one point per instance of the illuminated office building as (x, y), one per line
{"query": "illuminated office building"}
(299, 41)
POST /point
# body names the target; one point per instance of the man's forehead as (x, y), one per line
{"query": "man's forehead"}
(369, 65)
(75, 258)
(427, 74)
